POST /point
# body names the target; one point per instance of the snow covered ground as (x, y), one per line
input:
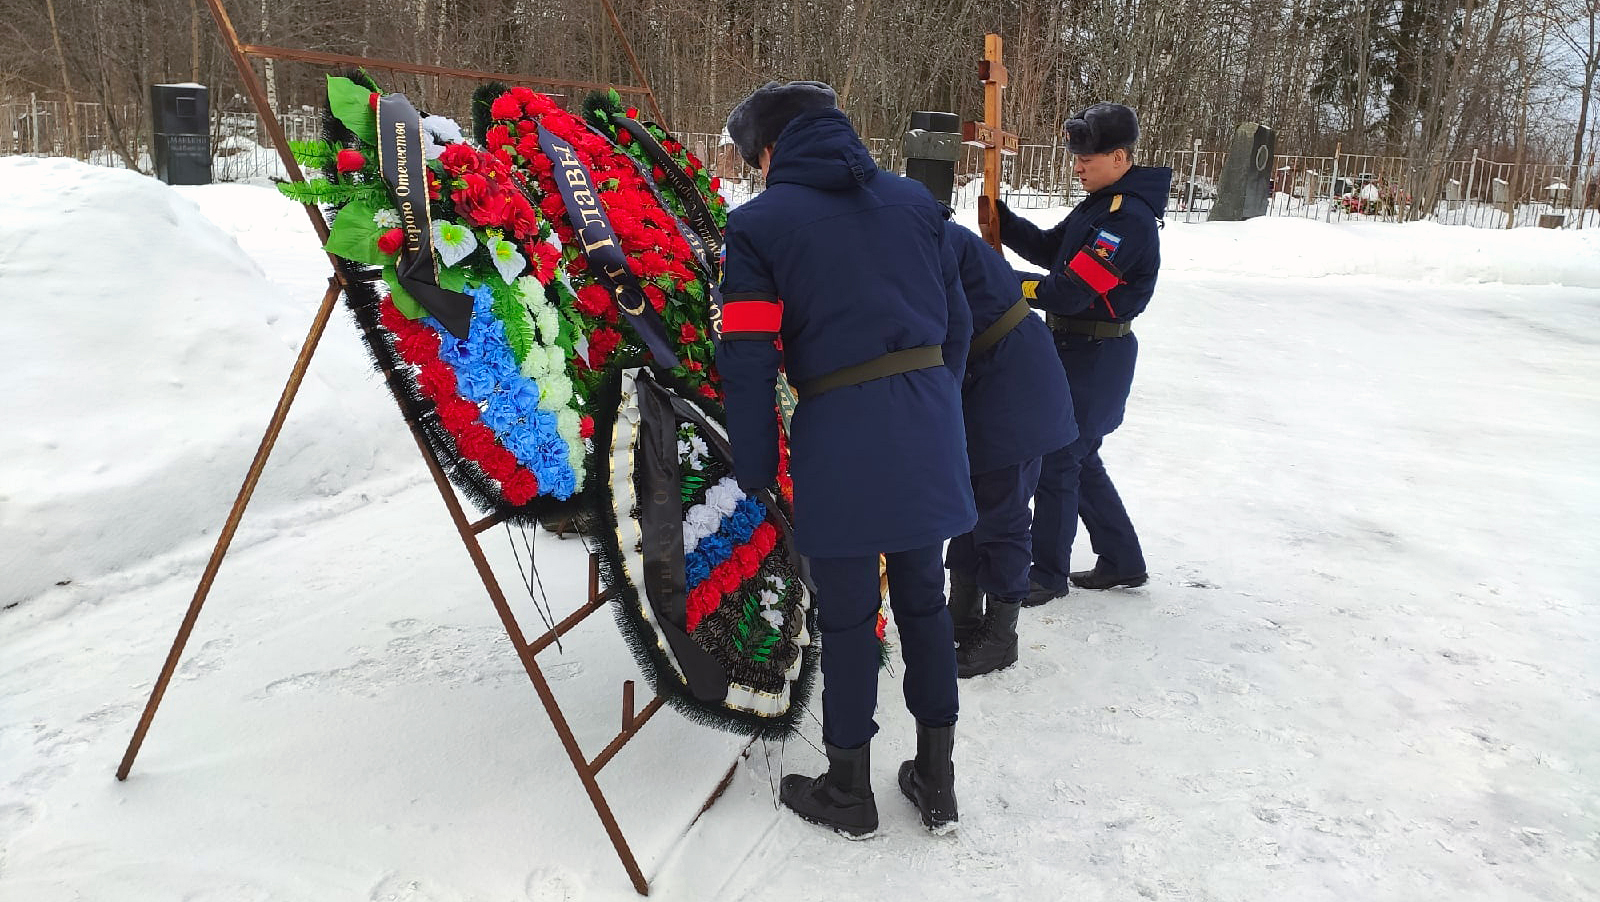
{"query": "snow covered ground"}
(1363, 459)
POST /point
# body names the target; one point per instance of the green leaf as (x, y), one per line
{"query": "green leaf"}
(696, 290)
(352, 105)
(453, 279)
(403, 301)
(354, 236)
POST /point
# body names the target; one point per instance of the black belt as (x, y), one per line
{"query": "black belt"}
(1093, 328)
(890, 364)
(1001, 327)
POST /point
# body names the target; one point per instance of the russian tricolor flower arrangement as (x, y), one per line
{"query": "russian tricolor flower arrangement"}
(543, 317)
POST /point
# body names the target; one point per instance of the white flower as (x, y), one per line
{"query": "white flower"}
(724, 496)
(774, 618)
(438, 131)
(548, 322)
(556, 391)
(443, 128)
(453, 241)
(535, 365)
(387, 218)
(684, 451)
(506, 259)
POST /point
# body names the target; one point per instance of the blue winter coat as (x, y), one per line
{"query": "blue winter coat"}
(1015, 394)
(845, 263)
(1100, 373)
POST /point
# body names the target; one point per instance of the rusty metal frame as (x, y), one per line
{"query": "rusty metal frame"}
(588, 769)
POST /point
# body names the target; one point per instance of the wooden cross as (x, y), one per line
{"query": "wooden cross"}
(991, 137)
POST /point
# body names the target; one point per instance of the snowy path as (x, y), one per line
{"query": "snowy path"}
(1367, 665)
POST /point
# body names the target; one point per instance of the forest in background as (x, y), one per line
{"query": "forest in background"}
(1423, 79)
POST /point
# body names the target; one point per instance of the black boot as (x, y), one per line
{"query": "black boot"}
(929, 780)
(966, 605)
(1105, 579)
(994, 645)
(841, 798)
(1038, 595)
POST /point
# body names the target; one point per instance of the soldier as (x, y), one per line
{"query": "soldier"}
(1017, 409)
(1102, 264)
(850, 268)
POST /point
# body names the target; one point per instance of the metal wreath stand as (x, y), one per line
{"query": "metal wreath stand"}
(588, 769)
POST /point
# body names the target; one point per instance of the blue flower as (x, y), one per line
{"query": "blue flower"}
(696, 568)
(716, 549)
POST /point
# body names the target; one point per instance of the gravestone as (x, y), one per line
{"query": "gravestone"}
(1498, 191)
(931, 149)
(182, 131)
(1246, 187)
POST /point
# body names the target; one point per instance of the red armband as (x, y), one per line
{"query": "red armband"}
(748, 316)
(1094, 271)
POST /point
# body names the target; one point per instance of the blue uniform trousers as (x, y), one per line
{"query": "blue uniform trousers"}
(1073, 483)
(847, 613)
(998, 550)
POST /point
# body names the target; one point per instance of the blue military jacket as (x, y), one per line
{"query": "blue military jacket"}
(1015, 395)
(1119, 225)
(844, 264)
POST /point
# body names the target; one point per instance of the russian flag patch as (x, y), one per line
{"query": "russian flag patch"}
(1106, 244)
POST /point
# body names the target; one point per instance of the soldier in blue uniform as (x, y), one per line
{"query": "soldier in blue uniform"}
(1018, 409)
(851, 269)
(1102, 262)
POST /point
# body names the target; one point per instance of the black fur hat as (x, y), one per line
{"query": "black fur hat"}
(760, 118)
(1102, 128)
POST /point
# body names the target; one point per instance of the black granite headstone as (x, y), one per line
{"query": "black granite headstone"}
(1246, 186)
(931, 148)
(182, 134)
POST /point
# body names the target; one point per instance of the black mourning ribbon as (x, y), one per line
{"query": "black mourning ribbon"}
(709, 246)
(600, 247)
(400, 155)
(661, 537)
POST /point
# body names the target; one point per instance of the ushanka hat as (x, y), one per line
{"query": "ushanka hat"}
(1102, 128)
(758, 119)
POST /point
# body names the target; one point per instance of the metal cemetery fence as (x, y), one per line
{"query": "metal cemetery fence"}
(1474, 192)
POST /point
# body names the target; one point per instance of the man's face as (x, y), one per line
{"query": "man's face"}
(1097, 170)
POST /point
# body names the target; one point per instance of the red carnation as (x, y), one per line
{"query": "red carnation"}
(592, 301)
(624, 138)
(457, 413)
(506, 106)
(687, 333)
(389, 242)
(476, 442)
(658, 299)
(350, 161)
(499, 463)
(695, 366)
(601, 343)
(709, 392)
(497, 137)
(633, 112)
(520, 488)
(585, 427)
(372, 101)
(716, 184)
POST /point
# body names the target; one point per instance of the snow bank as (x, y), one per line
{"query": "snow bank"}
(1286, 246)
(145, 365)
